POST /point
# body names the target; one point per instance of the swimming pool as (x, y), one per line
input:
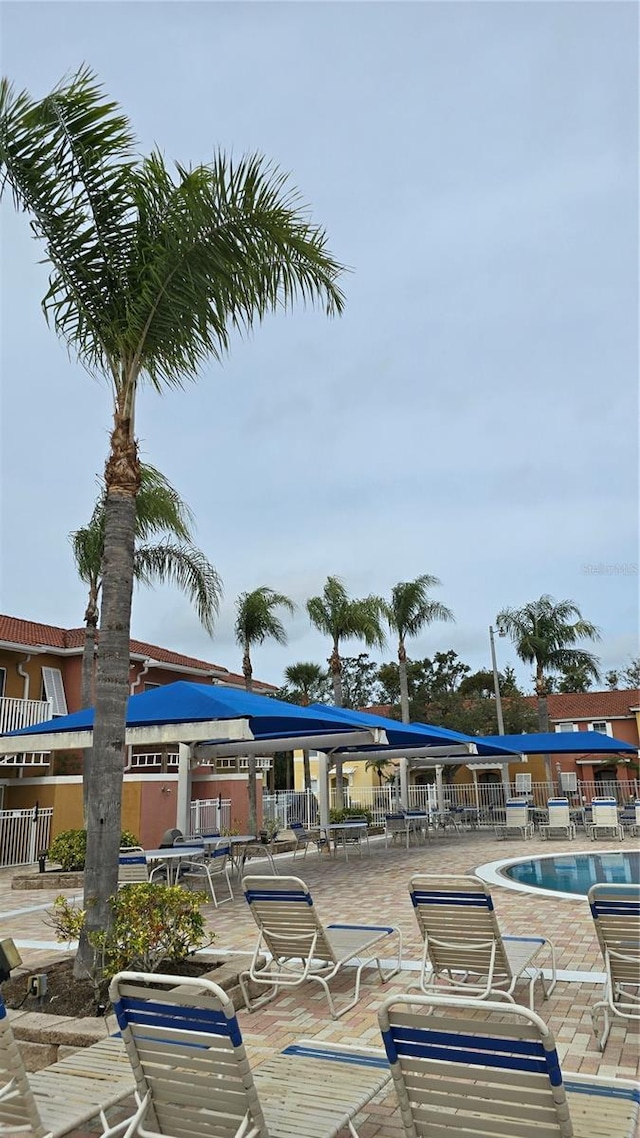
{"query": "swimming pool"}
(568, 873)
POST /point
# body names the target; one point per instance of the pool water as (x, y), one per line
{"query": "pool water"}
(566, 873)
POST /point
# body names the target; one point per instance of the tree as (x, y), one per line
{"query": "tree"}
(159, 511)
(409, 611)
(359, 675)
(544, 633)
(383, 767)
(151, 270)
(256, 621)
(305, 683)
(575, 678)
(628, 677)
(338, 616)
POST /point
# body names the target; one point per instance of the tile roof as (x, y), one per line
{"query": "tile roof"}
(590, 704)
(33, 635)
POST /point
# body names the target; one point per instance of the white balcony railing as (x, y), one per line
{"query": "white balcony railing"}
(17, 713)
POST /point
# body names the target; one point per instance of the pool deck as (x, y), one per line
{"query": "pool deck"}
(374, 890)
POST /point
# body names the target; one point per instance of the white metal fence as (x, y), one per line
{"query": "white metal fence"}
(23, 834)
(287, 806)
(208, 815)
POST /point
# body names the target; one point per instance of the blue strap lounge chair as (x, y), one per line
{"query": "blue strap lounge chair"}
(463, 945)
(616, 913)
(193, 1078)
(474, 1069)
(301, 948)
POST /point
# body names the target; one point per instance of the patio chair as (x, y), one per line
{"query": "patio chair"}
(395, 827)
(517, 823)
(630, 818)
(605, 822)
(305, 838)
(558, 822)
(193, 1076)
(463, 945)
(616, 913)
(467, 1068)
(357, 838)
(63, 1096)
(301, 947)
(132, 866)
(210, 865)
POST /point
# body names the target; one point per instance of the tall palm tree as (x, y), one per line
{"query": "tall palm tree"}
(159, 511)
(307, 681)
(340, 617)
(152, 269)
(410, 610)
(544, 633)
(257, 621)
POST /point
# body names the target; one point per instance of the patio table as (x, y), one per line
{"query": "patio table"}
(172, 856)
(340, 830)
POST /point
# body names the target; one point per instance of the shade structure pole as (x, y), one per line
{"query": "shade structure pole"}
(504, 770)
(323, 788)
(184, 788)
(475, 791)
(404, 783)
(439, 789)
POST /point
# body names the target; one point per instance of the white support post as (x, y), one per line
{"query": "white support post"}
(404, 783)
(506, 785)
(475, 791)
(184, 788)
(439, 789)
(323, 788)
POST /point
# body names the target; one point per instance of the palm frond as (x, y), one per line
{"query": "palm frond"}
(87, 544)
(188, 569)
(160, 509)
(256, 619)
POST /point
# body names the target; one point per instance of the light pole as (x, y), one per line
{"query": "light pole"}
(506, 784)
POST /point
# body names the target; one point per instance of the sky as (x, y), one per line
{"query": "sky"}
(473, 414)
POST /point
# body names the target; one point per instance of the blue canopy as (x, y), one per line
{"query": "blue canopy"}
(405, 734)
(184, 702)
(556, 743)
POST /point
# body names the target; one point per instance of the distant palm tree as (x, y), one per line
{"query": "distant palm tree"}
(256, 621)
(340, 617)
(380, 766)
(410, 610)
(543, 633)
(307, 681)
(159, 511)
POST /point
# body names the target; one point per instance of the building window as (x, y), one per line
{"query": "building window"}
(523, 783)
(3, 680)
(565, 726)
(568, 780)
(601, 726)
(53, 689)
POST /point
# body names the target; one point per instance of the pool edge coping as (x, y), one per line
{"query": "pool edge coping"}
(491, 875)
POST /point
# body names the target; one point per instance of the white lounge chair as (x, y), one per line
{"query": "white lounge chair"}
(193, 1078)
(301, 947)
(60, 1098)
(559, 822)
(463, 945)
(517, 823)
(473, 1069)
(616, 913)
(605, 821)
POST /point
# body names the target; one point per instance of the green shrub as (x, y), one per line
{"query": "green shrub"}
(151, 924)
(69, 847)
(340, 815)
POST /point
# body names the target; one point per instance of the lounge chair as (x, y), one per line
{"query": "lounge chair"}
(605, 822)
(62, 1097)
(516, 824)
(211, 865)
(301, 947)
(558, 822)
(132, 866)
(630, 818)
(193, 1077)
(616, 913)
(463, 945)
(464, 1068)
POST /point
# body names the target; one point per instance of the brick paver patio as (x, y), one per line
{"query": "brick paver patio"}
(374, 890)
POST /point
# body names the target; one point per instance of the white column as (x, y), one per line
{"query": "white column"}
(440, 789)
(475, 791)
(184, 788)
(323, 788)
(404, 783)
(506, 785)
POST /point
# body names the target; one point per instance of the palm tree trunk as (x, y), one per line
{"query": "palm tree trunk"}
(307, 770)
(335, 665)
(86, 691)
(252, 789)
(543, 720)
(104, 805)
(404, 683)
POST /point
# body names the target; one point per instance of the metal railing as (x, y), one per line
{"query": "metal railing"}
(23, 833)
(208, 815)
(17, 713)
